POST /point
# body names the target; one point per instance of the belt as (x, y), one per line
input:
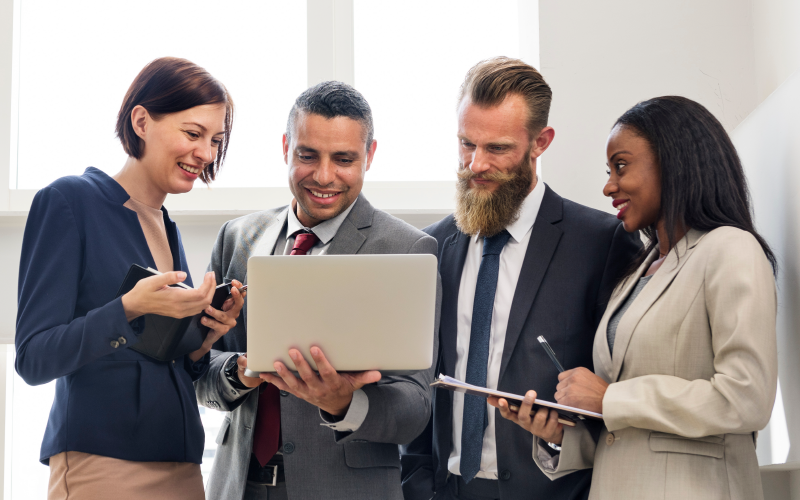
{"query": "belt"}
(268, 475)
(478, 487)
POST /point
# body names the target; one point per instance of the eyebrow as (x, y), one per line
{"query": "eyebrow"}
(619, 153)
(196, 125)
(305, 149)
(505, 144)
(201, 127)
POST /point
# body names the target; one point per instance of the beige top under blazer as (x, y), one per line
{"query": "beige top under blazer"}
(693, 377)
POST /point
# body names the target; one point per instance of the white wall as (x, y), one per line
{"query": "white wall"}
(768, 145)
(776, 29)
(10, 244)
(729, 55)
(601, 58)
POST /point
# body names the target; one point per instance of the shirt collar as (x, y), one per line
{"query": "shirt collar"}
(527, 213)
(325, 230)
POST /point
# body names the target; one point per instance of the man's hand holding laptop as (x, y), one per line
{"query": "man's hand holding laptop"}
(328, 390)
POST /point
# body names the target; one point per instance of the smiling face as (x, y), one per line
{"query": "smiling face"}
(634, 181)
(178, 146)
(327, 159)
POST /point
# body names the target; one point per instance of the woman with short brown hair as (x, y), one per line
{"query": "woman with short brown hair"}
(124, 425)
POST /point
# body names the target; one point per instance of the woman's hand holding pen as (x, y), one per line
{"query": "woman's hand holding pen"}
(222, 321)
(154, 295)
(581, 388)
(543, 424)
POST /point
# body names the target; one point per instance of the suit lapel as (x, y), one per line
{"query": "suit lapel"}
(348, 239)
(265, 244)
(541, 247)
(649, 295)
(451, 265)
(603, 365)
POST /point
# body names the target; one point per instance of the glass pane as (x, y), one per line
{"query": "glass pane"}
(212, 421)
(29, 409)
(77, 60)
(410, 60)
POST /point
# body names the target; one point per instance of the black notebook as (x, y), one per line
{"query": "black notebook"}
(164, 338)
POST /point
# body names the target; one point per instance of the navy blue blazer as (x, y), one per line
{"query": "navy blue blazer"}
(575, 257)
(110, 400)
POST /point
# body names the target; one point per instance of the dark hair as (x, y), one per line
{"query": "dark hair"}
(703, 185)
(332, 99)
(490, 81)
(170, 85)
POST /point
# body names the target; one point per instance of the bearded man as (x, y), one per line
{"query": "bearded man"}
(516, 261)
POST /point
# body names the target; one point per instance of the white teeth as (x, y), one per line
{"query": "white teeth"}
(320, 195)
(189, 169)
(620, 207)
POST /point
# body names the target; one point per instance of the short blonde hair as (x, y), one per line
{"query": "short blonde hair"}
(490, 81)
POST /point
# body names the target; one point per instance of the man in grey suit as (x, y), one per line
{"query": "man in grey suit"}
(329, 435)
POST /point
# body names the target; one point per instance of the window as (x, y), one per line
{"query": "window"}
(28, 412)
(410, 60)
(77, 61)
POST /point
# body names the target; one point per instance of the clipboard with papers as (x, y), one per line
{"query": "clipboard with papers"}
(567, 415)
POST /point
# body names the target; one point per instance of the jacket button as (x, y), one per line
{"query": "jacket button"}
(122, 340)
(505, 475)
(114, 344)
(288, 448)
(284, 393)
(610, 439)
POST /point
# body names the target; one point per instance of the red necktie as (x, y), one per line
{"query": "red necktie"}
(303, 243)
(267, 432)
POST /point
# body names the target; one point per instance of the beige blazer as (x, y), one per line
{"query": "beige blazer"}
(693, 377)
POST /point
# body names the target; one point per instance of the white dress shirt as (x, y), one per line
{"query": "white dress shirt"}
(510, 266)
(325, 231)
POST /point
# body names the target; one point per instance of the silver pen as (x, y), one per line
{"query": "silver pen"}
(550, 353)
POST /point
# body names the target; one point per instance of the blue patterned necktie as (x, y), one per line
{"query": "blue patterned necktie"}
(475, 418)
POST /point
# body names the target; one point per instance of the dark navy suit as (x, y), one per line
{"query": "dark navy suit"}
(110, 400)
(573, 261)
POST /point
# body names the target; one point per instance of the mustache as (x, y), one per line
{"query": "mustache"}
(465, 174)
(315, 186)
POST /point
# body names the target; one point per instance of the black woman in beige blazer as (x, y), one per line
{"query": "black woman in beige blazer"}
(685, 357)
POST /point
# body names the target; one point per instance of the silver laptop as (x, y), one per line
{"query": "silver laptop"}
(366, 312)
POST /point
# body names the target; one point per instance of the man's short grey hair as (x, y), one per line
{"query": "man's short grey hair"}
(332, 99)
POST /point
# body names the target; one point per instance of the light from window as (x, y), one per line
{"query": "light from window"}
(77, 60)
(28, 408)
(410, 60)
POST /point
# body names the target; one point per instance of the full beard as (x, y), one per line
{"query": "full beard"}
(479, 211)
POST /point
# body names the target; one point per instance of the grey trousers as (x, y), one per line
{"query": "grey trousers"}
(255, 491)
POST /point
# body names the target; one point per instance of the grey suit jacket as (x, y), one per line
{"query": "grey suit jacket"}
(693, 376)
(321, 463)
